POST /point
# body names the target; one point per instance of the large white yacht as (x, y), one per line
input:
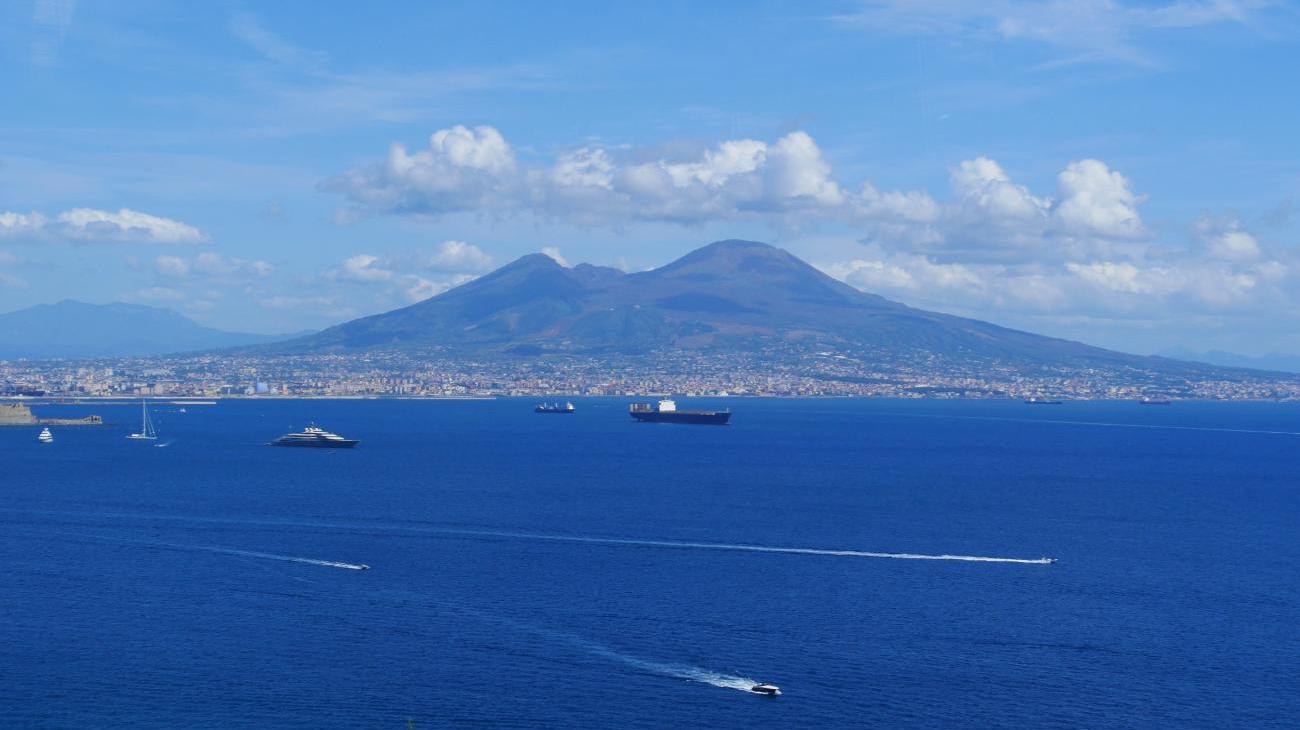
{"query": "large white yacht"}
(313, 436)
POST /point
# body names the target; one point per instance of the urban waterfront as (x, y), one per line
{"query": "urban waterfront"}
(785, 372)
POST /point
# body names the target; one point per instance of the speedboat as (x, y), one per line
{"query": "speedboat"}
(771, 690)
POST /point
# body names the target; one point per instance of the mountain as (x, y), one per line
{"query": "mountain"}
(71, 329)
(729, 296)
(1275, 361)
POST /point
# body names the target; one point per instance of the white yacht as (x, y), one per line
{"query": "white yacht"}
(147, 432)
(312, 436)
(45, 436)
(771, 690)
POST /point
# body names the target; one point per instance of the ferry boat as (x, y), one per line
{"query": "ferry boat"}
(553, 408)
(666, 412)
(314, 437)
(45, 436)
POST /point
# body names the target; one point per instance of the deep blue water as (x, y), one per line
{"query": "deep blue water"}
(1175, 601)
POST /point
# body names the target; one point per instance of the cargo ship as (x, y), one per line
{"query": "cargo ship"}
(666, 412)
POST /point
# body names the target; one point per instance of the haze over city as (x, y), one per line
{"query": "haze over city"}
(1123, 174)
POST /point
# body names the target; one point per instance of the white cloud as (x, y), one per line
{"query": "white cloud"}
(983, 187)
(363, 267)
(456, 256)
(412, 276)
(1095, 200)
(1226, 239)
(417, 288)
(555, 255)
(16, 224)
(88, 224)
(476, 170)
(124, 225)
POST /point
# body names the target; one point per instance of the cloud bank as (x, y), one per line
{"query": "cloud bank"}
(91, 225)
(989, 243)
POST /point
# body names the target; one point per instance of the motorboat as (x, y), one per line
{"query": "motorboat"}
(771, 690)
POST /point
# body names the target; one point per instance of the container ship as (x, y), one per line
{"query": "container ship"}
(666, 412)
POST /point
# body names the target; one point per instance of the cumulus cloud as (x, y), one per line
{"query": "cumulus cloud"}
(88, 224)
(1226, 239)
(786, 183)
(460, 169)
(476, 170)
(413, 275)
(455, 256)
(1095, 200)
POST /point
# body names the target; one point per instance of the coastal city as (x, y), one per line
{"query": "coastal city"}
(782, 372)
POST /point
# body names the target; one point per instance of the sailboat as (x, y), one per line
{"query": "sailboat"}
(147, 433)
(45, 436)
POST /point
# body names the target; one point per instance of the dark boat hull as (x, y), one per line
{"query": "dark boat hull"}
(707, 418)
(548, 410)
(322, 444)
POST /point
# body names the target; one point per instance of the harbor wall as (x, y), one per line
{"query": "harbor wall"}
(17, 414)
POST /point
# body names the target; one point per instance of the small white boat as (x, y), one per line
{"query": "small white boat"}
(45, 436)
(147, 432)
(771, 690)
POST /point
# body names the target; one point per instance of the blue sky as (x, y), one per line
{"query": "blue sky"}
(1123, 173)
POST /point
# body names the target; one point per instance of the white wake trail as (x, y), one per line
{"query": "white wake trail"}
(742, 547)
(272, 556)
(667, 669)
(218, 550)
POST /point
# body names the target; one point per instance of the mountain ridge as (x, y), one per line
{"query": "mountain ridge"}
(72, 329)
(728, 296)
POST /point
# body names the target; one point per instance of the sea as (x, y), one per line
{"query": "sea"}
(886, 563)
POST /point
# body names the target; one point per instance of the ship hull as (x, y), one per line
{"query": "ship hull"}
(705, 418)
(321, 444)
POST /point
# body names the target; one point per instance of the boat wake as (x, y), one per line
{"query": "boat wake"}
(666, 669)
(220, 551)
(550, 537)
(272, 556)
(745, 548)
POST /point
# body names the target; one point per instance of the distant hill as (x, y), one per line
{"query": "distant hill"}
(1273, 361)
(730, 295)
(71, 329)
